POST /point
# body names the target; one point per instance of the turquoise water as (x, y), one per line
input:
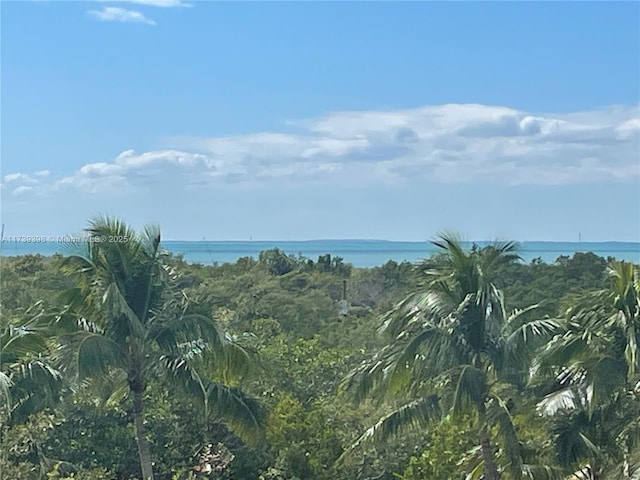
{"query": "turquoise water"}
(360, 253)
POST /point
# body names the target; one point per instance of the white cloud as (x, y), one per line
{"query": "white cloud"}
(432, 144)
(630, 128)
(100, 169)
(21, 190)
(122, 15)
(20, 183)
(18, 178)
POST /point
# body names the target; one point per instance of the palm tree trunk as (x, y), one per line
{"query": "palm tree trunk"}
(594, 470)
(141, 436)
(490, 469)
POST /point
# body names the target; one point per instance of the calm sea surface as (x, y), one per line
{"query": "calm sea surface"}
(360, 253)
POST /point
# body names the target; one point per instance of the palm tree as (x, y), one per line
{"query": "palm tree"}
(594, 368)
(28, 382)
(452, 347)
(127, 322)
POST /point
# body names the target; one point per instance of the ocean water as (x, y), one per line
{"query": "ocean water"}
(360, 253)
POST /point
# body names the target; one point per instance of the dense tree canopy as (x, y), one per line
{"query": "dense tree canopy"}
(120, 361)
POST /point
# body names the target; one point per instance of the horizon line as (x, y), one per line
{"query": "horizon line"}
(205, 240)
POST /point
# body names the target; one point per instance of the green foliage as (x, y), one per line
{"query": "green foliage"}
(27, 453)
(594, 368)
(333, 265)
(29, 279)
(126, 323)
(277, 262)
(306, 444)
(447, 444)
(280, 313)
(28, 381)
(548, 284)
(93, 474)
(452, 347)
(90, 437)
(308, 369)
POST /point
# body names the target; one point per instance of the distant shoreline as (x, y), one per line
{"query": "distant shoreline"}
(360, 253)
(374, 240)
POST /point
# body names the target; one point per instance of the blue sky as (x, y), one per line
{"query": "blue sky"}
(302, 120)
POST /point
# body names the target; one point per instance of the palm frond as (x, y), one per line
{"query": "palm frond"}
(498, 253)
(542, 472)
(244, 413)
(415, 310)
(88, 355)
(5, 393)
(564, 399)
(571, 440)
(151, 246)
(521, 345)
(473, 463)
(583, 473)
(151, 240)
(427, 354)
(414, 415)
(170, 329)
(23, 343)
(35, 385)
(470, 389)
(560, 351)
(229, 363)
(369, 376)
(110, 389)
(451, 244)
(604, 375)
(477, 472)
(118, 310)
(498, 414)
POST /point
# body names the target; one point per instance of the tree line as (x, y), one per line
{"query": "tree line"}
(121, 361)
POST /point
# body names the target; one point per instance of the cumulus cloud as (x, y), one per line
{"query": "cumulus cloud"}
(18, 178)
(121, 15)
(21, 190)
(432, 144)
(20, 183)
